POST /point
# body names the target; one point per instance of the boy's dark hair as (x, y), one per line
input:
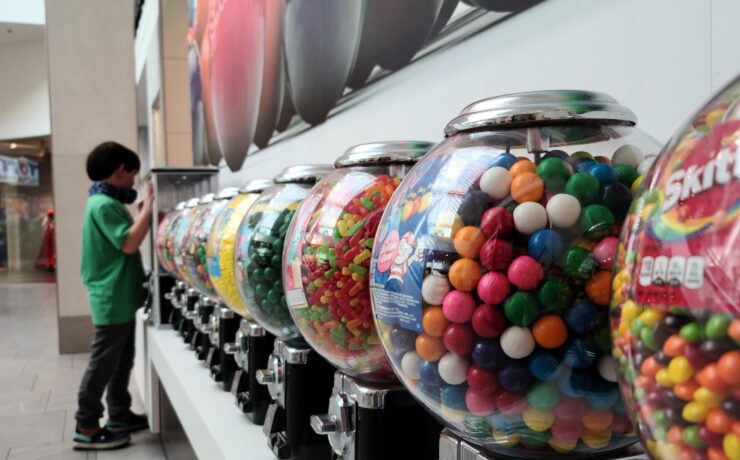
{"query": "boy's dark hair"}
(107, 157)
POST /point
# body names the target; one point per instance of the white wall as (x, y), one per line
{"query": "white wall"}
(24, 91)
(661, 58)
(22, 11)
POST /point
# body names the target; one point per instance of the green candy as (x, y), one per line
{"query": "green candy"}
(534, 438)
(583, 186)
(511, 206)
(479, 427)
(260, 290)
(660, 419)
(716, 327)
(636, 328)
(627, 174)
(691, 437)
(543, 396)
(521, 308)
(581, 155)
(554, 173)
(648, 339)
(554, 294)
(273, 296)
(603, 339)
(692, 332)
(578, 264)
(270, 274)
(596, 221)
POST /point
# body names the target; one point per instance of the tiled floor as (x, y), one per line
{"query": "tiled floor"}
(38, 387)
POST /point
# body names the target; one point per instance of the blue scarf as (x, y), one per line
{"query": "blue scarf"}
(125, 196)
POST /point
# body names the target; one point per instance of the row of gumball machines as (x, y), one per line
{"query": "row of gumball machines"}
(481, 286)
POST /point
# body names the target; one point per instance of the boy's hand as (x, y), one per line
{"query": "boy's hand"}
(148, 199)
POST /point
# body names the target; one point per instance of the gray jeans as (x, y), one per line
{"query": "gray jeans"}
(111, 361)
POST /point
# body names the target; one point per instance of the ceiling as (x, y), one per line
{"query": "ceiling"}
(11, 33)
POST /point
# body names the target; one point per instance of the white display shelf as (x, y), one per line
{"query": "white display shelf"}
(214, 426)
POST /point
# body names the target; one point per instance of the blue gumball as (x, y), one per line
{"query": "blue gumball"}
(603, 173)
(505, 160)
(453, 396)
(603, 394)
(431, 391)
(582, 316)
(514, 376)
(429, 373)
(488, 353)
(584, 164)
(546, 246)
(545, 365)
(580, 353)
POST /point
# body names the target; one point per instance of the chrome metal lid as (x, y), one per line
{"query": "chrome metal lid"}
(227, 193)
(207, 198)
(391, 152)
(256, 186)
(180, 206)
(303, 174)
(191, 203)
(538, 107)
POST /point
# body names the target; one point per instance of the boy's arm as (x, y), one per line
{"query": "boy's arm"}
(139, 229)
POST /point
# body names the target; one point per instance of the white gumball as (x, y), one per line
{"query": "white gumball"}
(530, 217)
(607, 369)
(563, 210)
(411, 364)
(453, 368)
(517, 342)
(496, 182)
(628, 155)
(434, 289)
(644, 166)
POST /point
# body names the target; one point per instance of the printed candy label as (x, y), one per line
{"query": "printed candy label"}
(689, 255)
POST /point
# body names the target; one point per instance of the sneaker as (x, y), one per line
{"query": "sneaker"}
(104, 439)
(134, 422)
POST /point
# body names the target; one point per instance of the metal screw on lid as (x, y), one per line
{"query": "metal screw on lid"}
(375, 153)
(180, 206)
(256, 186)
(227, 193)
(538, 107)
(303, 174)
(193, 202)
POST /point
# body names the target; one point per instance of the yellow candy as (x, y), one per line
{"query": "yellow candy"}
(505, 440)
(708, 398)
(538, 420)
(714, 116)
(680, 370)
(636, 184)
(694, 412)
(596, 439)
(624, 327)
(630, 311)
(562, 446)
(663, 378)
(452, 415)
(650, 317)
(731, 446)
(665, 450)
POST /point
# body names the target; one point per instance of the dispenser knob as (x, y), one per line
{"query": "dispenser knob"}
(323, 424)
(265, 377)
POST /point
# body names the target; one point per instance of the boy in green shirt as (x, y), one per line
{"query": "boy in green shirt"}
(114, 276)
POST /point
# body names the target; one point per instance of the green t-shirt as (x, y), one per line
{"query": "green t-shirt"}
(113, 278)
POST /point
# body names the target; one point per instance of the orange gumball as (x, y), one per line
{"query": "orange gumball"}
(734, 330)
(598, 288)
(597, 419)
(674, 346)
(430, 348)
(468, 241)
(716, 453)
(650, 367)
(434, 322)
(709, 377)
(464, 274)
(728, 367)
(686, 390)
(549, 331)
(522, 166)
(718, 421)
(527, 186)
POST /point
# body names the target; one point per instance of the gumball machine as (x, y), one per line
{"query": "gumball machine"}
(676, 295)
(491, 292)
(166, 258)
(179, 238)
(297, 379)
(227, 315)
(325, 273)
(195, 260)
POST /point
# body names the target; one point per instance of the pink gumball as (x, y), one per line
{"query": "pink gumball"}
(480, 404)
(525, 273)
(566, 430)
(493, 288)
(458, 306)
(605, 252)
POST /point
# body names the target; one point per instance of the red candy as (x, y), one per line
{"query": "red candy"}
(481, 380)
(480, 404)
(493, 288)
(511, 404)
(497, 222)
(525, 273)
(496, 254)
(459, 338)
(488, 321)
(605, 252)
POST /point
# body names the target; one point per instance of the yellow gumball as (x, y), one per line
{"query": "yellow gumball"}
(505, 440)
(630, 311)
(694, 412)
(650, 317)
(680, 370)
(663, 378)
(596, 439)
(731, 446)
(708, 398)
(453, 415)
(562, 446)
(538, 420)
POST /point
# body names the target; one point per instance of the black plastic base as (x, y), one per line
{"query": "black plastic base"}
(225, 367)
(307, 388)
(201, 345)
(166, 283)
(251, 397)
